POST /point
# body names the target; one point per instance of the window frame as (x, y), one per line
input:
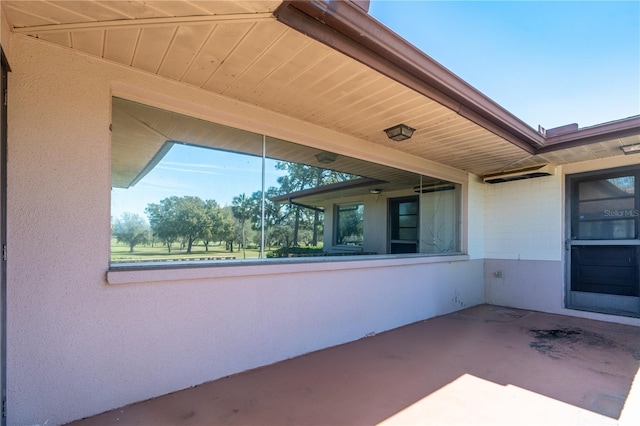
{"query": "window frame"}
(460, 178)
(394, 219)
(338, 208)
(595, 177)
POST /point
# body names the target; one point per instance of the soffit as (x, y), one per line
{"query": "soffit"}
(607, 148)
(142, 135)
(238, 49)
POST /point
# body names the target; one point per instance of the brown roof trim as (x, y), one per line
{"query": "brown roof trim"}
(324, 189)
(348, 29)
(593, 134)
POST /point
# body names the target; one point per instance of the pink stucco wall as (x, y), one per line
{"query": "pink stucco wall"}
(79, 345)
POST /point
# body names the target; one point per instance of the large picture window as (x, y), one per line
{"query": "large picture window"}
(188, 190)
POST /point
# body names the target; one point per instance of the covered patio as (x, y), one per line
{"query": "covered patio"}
(464, 233)
(482, 365)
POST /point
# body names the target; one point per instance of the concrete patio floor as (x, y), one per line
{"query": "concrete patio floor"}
(483, 365)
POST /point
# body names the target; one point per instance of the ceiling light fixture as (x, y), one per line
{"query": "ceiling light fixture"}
(631, 149)
(326, 157)
(375, 191)
(399, 132)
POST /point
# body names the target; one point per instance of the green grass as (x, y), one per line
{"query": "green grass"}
(145, 253)
(120, 253)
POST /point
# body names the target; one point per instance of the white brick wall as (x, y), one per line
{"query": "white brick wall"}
(476, 218)
(524, 219)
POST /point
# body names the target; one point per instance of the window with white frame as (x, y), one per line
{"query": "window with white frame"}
(186, 190)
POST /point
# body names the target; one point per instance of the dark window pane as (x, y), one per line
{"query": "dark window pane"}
(408, 208)
(408, 221)
(605, 269)
(408, 234)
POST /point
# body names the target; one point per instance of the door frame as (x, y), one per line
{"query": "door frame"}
(5, 69)
(598, 302)
(394, 216)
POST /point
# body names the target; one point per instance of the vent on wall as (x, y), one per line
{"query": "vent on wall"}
(434, 188)
(527, 173)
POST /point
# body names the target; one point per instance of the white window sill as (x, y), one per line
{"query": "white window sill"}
(129, 274)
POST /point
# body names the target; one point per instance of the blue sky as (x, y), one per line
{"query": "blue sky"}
(187, 170)
(548, 62)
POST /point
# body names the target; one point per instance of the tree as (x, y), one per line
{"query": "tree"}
(242, 208)
(191, 219)
(281, 235)
(163, 221)
(215, 225)
(227, 227)
(350, 224)
(316, 213)
(273, 213)
(300, 177)
(180, 219)
(131, 229)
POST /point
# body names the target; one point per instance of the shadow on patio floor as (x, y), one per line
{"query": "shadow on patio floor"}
(482, 365)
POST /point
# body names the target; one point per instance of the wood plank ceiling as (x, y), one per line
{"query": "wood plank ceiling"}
(239, 50)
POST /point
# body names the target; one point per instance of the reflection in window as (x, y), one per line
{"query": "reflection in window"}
(606, 209)
(350, 225)
(404, 220)
(440, 208)
(185, 189)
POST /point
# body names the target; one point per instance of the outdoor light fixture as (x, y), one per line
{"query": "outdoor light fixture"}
(631, 149)
(326, 157)
(399, 132)
(375, 191)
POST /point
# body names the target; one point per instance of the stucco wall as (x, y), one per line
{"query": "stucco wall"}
(78, 345)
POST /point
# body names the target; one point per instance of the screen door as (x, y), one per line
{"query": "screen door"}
(604, 247)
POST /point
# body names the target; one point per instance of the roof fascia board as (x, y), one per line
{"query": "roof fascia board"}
(353, 32)
(330, 188)
(593, 134)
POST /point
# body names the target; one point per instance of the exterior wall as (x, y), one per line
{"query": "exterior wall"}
(523, 219)
(437, 211)
(524, 242)
(375, 220)
(79, 345)
(374, 224)
(475, 217)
